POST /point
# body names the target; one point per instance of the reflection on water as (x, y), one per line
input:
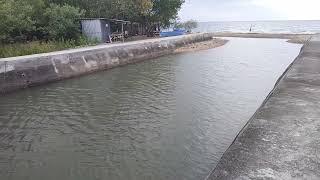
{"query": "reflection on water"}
(163, 119)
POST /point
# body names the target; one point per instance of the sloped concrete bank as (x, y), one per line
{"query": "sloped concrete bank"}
(282, 139)
(26, 71)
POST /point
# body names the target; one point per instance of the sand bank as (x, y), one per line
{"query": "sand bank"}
(215, 42)
(292, 38)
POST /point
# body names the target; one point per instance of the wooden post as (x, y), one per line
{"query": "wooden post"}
(122, 32)
(5, 71)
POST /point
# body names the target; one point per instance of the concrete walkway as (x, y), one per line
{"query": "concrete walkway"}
(282, 140)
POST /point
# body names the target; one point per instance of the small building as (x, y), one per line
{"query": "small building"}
(106, 30)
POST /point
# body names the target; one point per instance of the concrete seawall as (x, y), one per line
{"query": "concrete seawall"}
(26, 71)
(282, 139)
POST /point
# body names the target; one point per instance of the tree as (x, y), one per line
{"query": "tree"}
(164, 11)
(22, 20)
(161, 14)
(62, 21)
(15, 20)
(144, 6)
(189, 25)
(149, 12)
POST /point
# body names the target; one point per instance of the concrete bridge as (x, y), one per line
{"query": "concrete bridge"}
(282, 139)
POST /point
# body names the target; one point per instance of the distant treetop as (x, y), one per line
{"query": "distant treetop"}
(54, 19)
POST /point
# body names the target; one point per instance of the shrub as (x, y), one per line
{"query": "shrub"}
(191, 24)
(36, 47)
(15, 20)
(62, 21)
(188, 25)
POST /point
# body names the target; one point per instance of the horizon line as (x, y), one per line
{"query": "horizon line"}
(251, 20)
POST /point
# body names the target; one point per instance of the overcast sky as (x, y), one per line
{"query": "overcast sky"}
(248, 10)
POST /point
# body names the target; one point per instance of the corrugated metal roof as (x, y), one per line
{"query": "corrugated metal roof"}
(113, 20)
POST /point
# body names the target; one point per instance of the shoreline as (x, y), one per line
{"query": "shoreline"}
(204, 45)
(218, 40)
(292, 38)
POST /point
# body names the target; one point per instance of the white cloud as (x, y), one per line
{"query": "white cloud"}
(221, 10)
(292, 9)
(228, 10)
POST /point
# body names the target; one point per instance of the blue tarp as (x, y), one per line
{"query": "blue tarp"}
(175, 32)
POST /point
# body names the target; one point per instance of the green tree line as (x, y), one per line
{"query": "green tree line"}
(27, 20)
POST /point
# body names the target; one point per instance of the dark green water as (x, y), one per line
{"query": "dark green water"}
(164, 119)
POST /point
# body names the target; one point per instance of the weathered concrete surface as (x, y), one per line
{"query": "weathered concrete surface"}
(282, 140)
(26, 71)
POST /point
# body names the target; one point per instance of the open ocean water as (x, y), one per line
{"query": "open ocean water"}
(294, 27)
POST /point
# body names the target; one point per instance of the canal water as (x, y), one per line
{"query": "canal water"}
(163, 119)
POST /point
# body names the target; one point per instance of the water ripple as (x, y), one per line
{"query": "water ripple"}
(168, 118)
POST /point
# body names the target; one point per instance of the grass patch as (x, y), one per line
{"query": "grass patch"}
(36, 47)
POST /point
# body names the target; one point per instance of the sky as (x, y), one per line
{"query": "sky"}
(250, 10)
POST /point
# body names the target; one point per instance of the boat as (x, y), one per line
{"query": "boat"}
(175, 32)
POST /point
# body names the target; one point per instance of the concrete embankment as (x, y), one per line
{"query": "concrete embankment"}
(26, 71)
(282, 139)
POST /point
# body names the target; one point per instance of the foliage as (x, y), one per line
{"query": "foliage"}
(16, 20)
(148, 12)
(62, 21)
(54, 20)
(191, 24)
(165, 10)
(188, 25)
(22, 20)
(144, 6)
(35, 47)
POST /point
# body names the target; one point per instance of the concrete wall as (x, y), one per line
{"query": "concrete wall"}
(26, 71)
(282, 139)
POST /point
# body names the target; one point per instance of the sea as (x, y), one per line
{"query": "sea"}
(290, 27)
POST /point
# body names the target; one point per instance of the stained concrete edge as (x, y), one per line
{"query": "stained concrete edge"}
(282, 139)
(26, 71)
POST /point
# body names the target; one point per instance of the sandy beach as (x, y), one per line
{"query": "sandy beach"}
(215, 42)
(292, 38)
